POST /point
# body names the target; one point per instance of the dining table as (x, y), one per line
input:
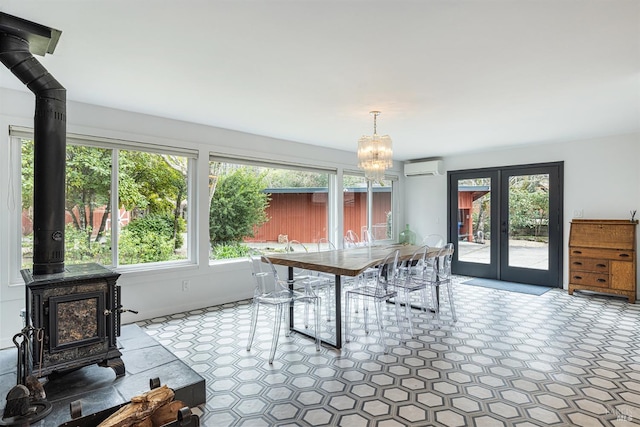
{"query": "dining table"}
(341, 262)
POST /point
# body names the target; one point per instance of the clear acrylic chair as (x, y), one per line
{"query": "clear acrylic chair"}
(346, 281)
(315, 279)
(413, 276)
(273, 292)
(351, 239)
(378, 291)
(444, 279)
(299, 275)
(325, 244)
(433, 241)
(294, 246)
(367, 237)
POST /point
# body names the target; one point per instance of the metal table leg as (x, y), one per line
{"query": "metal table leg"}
(338, 314)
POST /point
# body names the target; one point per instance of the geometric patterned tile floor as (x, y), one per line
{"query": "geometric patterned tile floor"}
(511, 359)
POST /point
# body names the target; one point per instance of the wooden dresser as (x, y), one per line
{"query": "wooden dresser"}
(602, 256)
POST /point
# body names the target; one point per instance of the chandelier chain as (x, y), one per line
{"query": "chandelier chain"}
(375, 117)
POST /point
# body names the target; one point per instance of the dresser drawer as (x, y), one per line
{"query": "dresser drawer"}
(602, 254)
(589, 264)
(589, 279)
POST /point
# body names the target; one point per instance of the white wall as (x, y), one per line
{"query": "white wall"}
(601, 177)
(159, 292)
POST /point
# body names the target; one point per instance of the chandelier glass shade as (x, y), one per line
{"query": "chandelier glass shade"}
(374, 153)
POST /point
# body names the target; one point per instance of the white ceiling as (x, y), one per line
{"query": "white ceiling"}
(449, 76)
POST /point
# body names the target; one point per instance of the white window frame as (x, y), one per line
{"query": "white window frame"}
(17, 134)
(275, 164)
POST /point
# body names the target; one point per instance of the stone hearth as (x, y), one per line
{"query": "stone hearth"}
(98, 388)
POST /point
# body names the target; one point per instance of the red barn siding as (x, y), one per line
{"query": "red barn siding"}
(465, 199)
(303, 216)
(355, 213)
(98, 213)
(299, 216)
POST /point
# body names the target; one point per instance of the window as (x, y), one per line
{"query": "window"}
(356, 208)
(125, 204)
(265, 206)
(152, 200)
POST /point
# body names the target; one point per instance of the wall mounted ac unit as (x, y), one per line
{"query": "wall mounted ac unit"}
(427, 167)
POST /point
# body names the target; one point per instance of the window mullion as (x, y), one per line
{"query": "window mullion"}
(115, 209)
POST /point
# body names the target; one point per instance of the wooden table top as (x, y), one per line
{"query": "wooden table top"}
(345, 262)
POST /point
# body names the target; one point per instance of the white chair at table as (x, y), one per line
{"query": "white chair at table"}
(271, 291)
(413, 277)
(312, 278)
(377, 291)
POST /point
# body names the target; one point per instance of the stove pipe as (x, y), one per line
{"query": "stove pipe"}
(18, 39)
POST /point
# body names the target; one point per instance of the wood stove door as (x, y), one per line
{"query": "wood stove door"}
(76, 320)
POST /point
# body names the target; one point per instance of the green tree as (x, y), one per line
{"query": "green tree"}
(88, 186)
(148, 184)
(27, 174)
(285, 178)
(238, 206)
(528, 204)
(153, 183)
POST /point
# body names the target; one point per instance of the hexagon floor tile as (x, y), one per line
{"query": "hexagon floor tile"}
(510, 359)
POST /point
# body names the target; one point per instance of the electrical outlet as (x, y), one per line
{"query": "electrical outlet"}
(185, 285)
(578, 213)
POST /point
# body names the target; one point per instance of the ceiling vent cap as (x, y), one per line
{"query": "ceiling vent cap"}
(423, 167)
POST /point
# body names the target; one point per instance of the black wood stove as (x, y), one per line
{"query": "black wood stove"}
(75, 319)
(73, 312)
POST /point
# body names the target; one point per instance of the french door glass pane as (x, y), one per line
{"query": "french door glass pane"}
(474, 220)
(529, 221)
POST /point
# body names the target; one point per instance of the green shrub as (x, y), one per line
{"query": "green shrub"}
(80, 246)
(147, 239)
(238, 206)
(230, 250)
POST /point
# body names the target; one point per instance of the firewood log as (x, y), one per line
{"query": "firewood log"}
(167, 413)
(141, 407)
(147, 422)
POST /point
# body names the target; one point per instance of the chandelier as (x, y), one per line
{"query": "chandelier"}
(374, 153)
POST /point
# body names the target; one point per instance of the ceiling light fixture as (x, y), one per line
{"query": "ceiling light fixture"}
(374, 153)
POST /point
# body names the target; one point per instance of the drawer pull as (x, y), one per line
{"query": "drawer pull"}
(577, 263)
(623, 255)
(601, 265)
(577, 252)
(577, 277)
(602, 281)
